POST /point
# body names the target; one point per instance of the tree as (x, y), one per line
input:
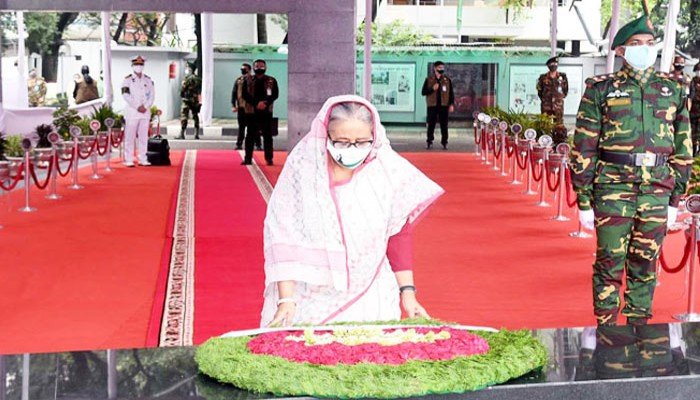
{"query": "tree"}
(395, 33)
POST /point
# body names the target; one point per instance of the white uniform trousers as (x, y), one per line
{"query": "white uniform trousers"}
(136, 128)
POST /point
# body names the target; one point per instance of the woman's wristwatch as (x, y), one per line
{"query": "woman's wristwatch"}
(407, 287)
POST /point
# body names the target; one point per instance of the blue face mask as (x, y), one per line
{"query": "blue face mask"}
(640, 57)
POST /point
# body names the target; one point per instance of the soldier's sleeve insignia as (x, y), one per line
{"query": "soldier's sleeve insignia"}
(126, 90)
(666, 92)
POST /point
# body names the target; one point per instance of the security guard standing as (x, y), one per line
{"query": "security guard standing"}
(630, 165)
(36, 86)
(552, 88)
(261, 92)
(695, 109)
(243, 110)
(190, 93)
(139, 93)
(440, 99)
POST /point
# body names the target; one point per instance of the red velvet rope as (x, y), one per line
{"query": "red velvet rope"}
(524, 158)
(684, 260)
(117, 141)
(41, 186)
(554, 187)
(103, 151)
(569, 202)
(498, 150)
(491, 140)
(477, 136)
(14, 183)
(70, 165)
(89, 152)
(534, 165)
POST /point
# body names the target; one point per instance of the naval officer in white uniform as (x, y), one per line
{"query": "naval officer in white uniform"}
(139, 93)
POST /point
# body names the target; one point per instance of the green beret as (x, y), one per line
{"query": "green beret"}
(640, 25)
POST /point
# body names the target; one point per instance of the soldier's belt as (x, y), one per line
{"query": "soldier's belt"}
(634, 159)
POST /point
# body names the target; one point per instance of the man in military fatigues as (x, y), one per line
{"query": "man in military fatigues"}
(695, 109)
(630, 163)
(440, 99)
(552, 88)
(36, 86)
(190, 93)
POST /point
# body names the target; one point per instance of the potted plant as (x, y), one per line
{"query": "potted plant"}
(104, 112)
(13, 148)
(63, 118)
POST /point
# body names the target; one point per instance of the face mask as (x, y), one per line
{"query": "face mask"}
(244, 71)
(552, 68)
(350, 158)
(259, 71)
(640, 57)
(138, 68)
(679, 66)
(440, 71)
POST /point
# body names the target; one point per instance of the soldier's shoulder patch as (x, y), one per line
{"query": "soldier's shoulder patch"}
(597, 79)
(128, 76)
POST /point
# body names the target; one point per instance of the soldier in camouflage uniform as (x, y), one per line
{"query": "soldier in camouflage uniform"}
(552, 88)
(630, 163)
(37, 89)
(190, 94)
(695, 109)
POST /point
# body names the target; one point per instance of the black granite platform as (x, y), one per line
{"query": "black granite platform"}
(627, 363)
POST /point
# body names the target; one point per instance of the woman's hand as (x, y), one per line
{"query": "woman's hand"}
(411, 305)
(284, 315)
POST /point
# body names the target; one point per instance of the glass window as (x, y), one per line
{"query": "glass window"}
(474, 86)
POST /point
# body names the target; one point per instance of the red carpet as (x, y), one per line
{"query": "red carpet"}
(80, 273)
(485, 255)
(229, 273)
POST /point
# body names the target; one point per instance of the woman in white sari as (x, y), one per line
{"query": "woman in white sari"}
(338, 227)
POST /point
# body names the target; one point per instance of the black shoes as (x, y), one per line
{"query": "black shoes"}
(269, 162)
(247, 162)
(258, 147)
(239, 147)
(444, 146)
(430, 145)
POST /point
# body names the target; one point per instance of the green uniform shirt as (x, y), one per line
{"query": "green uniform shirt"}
(191, 88)
(632, 112)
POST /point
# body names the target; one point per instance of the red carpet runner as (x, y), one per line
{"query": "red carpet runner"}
(80, 272)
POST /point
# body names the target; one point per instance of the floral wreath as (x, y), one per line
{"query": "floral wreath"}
(415, 358)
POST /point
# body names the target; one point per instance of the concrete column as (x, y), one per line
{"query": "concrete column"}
(321, 60)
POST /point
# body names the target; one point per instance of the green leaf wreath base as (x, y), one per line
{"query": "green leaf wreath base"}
(511, 355)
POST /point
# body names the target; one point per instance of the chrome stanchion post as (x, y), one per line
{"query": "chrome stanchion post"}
(75, 133)
(109, 123)
(485, 136)
(515, 129)
(54, 139)
(544, 146)
(563, 149)
(95, 143)
(494, 139)
(477, 147)
(530, 135)
(692, 204)
(503, 127)
(27, 146)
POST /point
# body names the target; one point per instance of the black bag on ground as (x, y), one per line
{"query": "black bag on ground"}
(158, 152)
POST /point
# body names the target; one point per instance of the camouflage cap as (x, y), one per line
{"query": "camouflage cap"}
(638, 26)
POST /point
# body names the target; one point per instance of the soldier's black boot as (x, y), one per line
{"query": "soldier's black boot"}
(196, 133)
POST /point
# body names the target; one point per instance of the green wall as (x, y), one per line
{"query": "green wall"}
(227, 68)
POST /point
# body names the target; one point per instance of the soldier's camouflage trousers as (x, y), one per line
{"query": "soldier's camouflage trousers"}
(185, 111)
(555, 109)
(630, 226)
